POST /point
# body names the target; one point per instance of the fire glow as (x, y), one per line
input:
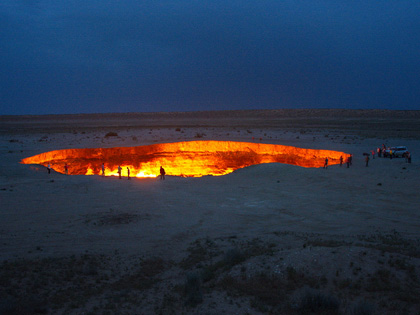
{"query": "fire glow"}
(188, 159)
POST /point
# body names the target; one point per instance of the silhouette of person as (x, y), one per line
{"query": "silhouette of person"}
(66, 169)
(326, 163)
(119, 171)
(103, 169)
(162, 173)
(341, 160)
(367, 160)
(49, 168)
(128, 173)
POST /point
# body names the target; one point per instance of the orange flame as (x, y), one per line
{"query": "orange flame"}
(191, 158)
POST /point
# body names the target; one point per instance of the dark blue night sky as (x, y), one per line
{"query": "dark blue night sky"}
(81, 56)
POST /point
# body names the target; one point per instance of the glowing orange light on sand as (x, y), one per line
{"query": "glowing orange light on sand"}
(192, 158)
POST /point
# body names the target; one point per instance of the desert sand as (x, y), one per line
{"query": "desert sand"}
(270, 238)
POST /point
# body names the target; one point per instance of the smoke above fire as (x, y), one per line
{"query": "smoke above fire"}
(189, 159)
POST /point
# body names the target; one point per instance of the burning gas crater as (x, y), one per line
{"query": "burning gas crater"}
(190, 159)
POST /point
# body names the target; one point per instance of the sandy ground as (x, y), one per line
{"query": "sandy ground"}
(270, 238)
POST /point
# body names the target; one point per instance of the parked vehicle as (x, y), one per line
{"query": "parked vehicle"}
(399, 151)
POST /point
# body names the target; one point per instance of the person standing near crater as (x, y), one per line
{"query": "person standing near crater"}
(119, 171)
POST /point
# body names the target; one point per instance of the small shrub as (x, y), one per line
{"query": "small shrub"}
(207, 274)
(382, 280)
(291, 273)
(192, 290)
(90, 269)
(199, 251)
(264, 288)
(297, 278)
(233, 257)
(153, 267)
(111, 134)
(8, 306)
(317, 302)
(363, 308)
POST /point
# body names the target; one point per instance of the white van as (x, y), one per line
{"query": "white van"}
(396, 151)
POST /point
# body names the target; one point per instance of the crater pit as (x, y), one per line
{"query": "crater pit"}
(190, 159)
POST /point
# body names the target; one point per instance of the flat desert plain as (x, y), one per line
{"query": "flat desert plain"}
(266, 239)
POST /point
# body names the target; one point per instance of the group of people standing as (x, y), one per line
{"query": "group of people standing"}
(348, 161)
(119, 170)
(382, 152)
